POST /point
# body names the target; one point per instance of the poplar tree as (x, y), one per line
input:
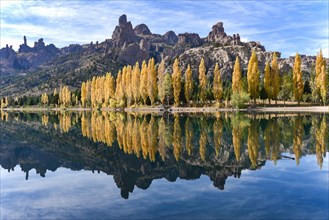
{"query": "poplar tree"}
(188, 89)
(202, 81)
(236, 77)
(44, 99)
(276, 81)
(161, 75)
(167, 88)
(217, 84)
(83, 94)
(253, 77)
(268, 82)
(298, 79)
(136, 82)
(176, 78)
(152, 81)
(143, 82)
(118, 88)
(128, 87)
(324, 83)
(318, 66)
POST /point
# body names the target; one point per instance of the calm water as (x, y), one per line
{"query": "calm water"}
(117, 166)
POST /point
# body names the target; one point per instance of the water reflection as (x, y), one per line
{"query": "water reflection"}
(138, 148)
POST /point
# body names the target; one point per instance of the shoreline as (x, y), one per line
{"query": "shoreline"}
(310, 109)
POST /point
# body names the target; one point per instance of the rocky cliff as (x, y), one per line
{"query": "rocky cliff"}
(42, 67)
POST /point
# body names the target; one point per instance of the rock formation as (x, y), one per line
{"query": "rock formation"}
(189, 39)
(123, 33)
(170, 38)
(142, 29)
(217, 34)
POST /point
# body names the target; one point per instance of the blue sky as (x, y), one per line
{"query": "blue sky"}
(286, 26)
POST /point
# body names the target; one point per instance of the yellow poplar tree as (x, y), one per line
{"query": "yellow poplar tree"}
(161, 75)
(135, 82)
(176, 78)
(202, 81)
(268, 82)
(298, 79)
(276, 81)
(128, 85)
(217, 84)
(188, 89)
(236, 77)
(152, 81)
(143, 82)
(324, 83)
(44, 99)
(118, 89)
(318, 66)
(83, 94)
(253, 77)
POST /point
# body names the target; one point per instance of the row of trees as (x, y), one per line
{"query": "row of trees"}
(149, 84)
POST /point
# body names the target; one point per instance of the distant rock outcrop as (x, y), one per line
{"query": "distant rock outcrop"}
(142, 29)
(170, 38)
(123, 33)
(189, 39)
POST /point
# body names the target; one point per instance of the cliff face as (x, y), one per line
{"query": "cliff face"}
(74, 63)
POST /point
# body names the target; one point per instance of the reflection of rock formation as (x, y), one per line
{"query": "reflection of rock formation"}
(36, 146)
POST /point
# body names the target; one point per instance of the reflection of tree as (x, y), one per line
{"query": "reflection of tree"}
(177, 139)
(136, 137)
(65, 121)
(218, 130)
(239, 123)
(144, 138)
(203, 139)
(162, 144)
(272, 140)
(45, 119)
(253, 142)
(152, 138)
(321, 139)
(188, 136)
(298, 138)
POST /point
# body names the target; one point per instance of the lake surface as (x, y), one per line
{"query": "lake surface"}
(98, 165)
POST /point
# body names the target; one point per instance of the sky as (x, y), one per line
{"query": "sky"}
(285, 26)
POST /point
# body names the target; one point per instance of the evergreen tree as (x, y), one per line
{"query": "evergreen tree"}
(217, 84)
(202, 81)
(188, 89)
(176, 78)
(298, 79)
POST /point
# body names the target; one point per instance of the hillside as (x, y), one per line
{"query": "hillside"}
(41, 68)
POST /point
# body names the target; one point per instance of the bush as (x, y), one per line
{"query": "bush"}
(238, 100)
